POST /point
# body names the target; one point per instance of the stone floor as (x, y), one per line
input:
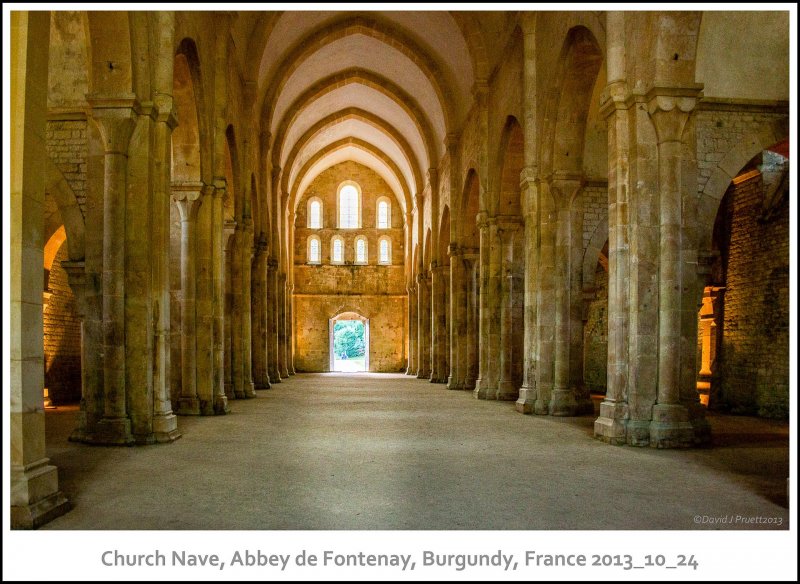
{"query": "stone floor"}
(372, 451)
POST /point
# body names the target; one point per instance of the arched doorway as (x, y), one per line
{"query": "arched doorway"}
(349, 342)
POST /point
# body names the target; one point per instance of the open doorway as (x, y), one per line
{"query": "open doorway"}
(349, 343)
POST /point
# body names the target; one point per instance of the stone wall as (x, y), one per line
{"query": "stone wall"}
(67, 148)
(722, 127)
(62, 337)
(595, 336)
(374, 291)
(754, 368)
(595, 209)
(387, 329)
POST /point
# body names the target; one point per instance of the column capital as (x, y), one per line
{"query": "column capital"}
(565, 184)
(483, 220)
(422, 279)
(454, 250)
(528, 176)
(433, 176)
(220, 185)
(76, 275)
(508, 222)
(187, 190)
(115, 116)
(164, 110)
(451, 140)
(480, 89)
(669, 108)
(616, 97)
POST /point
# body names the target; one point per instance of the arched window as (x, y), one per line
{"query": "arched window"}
(314, 250)
(349, 201)
(314, 213)
(385, 251)
(361, 249)
(337, 250)
(384, 213)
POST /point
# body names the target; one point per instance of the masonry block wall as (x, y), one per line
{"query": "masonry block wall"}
(595, 336)
(374, 291)
(754, 367)
(62, 337)
(67, 147)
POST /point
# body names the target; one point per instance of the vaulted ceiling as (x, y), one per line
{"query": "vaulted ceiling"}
(381, 88)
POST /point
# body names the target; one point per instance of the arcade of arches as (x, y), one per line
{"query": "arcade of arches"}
(560, 210)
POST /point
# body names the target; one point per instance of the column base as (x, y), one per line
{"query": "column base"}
(35, 498)
(188, 406)
(506, 391)
(671, 427)
(113, 431)
(541, 407)
(285, 373)
(249, 390)
(274, 377)
(610, 425)
(526, 401)
(453, 383)
(411, 372)
(262, 386)
(470, 384)
(80, 432)
(700, 426)
(221, 405)
(563, 403)
(437, 379)
(484, 392)
(165, 427)
(423, 375)
(638, 432)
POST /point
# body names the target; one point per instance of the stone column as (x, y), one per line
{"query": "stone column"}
(165, 423)
(610, 426)
(458, 320)
(527, 393)
(204, 300)
(246, 312)
(35, 498)
(240, 246)
(545, 300)
(423, 327)
(229, 242)
(272, 320)
(259, 333)
(506, 387)
(282, 337)
(187, 198)
(438, 324)
(489, 337)
(412, 331)
(76, 275)
(470, 346)
(218, 248)
(290, 329)
(115, 118)
(291, 219)
(669, 109)
(566, 399)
